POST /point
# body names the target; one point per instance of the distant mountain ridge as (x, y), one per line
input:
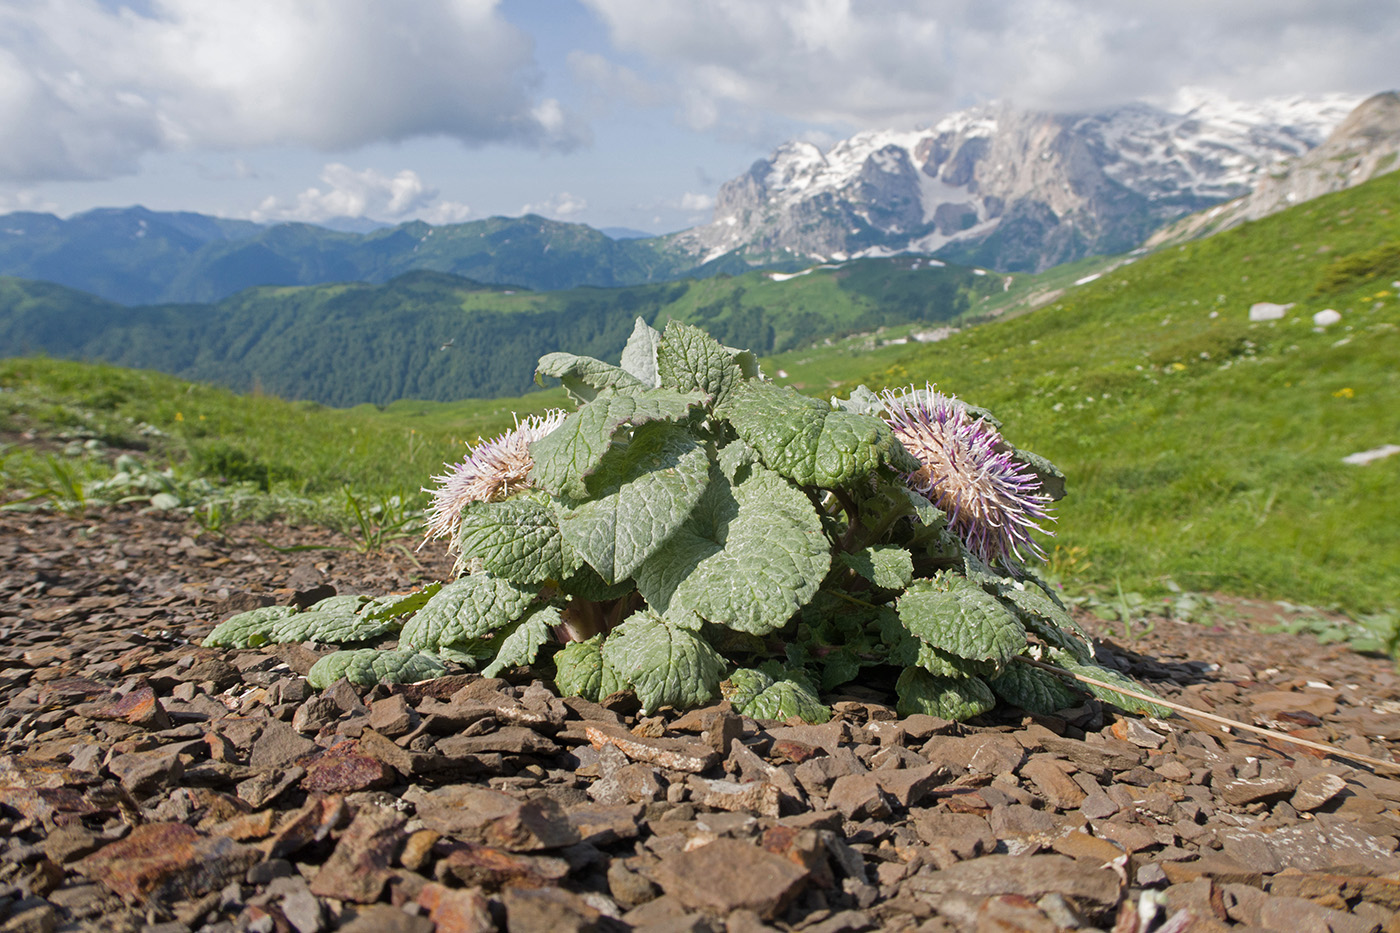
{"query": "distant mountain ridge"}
(1009, 189)
(138, 256)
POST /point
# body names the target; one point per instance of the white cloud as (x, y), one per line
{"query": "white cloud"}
(691, 201)
(86, 90)
(559, 206)
(25, 200)
(735, 65)
(367, 193)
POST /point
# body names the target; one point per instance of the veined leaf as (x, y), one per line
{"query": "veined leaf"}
(1122, 701)
(397, 605)
(584, 377)
(1034, 690)
(522, 642)
(807, 441)
(952, 613)
(639, 356)
(750, 555)
(1046, 618)
(570, 453)
(757, 694)
(467, 608)
(944, 697)
(369, 666)
(640, 496)
(885, 565)
(942, 664)
(665, 664)
(688, 358)
(516, 540)
(248, 629)
(578, 669)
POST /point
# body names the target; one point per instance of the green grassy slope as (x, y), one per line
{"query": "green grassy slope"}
(350, 343)
(1200, 446)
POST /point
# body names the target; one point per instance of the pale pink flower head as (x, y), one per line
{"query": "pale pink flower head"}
(493, 470)
(993, 501)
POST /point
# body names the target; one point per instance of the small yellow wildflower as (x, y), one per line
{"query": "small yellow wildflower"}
(1344, 392)
(179, 417)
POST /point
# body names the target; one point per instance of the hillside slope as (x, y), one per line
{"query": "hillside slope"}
(1196, 439)
(432, 335)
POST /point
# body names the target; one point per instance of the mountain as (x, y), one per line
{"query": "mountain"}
(136, 256)
(1010, 189)
(434, 335)
(1366, 144)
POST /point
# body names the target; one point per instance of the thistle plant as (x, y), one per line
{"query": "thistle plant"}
(692, 531)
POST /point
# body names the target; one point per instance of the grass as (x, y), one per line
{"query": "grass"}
(1202, 448)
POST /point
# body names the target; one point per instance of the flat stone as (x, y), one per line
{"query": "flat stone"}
(343, 769)
(859, 797)
(728, 875)
(279, 746)
(359, 867)
(266, 786)
(1271, 703)
(168, 862)
(392, 716)
(1053, 782)
(1244, 791)
(511, 740)
(1219, 868)
(144, 773)
(492, 868)
(140, 707)
(382, 918)
(602, 825)
(456, 910)
(1317, 791)
(1295, 913)
(759, 797)
(673, 754)
(555, 909)
(908, 787)
(1089, 848)
(1031, 876)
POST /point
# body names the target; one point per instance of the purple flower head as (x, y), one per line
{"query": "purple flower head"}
(493, 470)
(993, 501)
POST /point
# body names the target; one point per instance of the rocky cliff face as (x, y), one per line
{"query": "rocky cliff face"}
(1364, 145)
(1006, 188)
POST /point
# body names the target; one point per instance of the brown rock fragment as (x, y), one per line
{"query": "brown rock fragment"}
(139, 708)
(673, 754)
(554, 909)
(1031, 876)
(360, 865)
(729, 875)
(1317, 791)
(456, 910)
(1054, 783)
(343, 769)
(168, 861)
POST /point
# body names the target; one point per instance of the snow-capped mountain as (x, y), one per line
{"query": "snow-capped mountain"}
(1365, 144)
(1008, 188)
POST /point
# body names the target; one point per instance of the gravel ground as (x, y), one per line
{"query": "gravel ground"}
(147, 783)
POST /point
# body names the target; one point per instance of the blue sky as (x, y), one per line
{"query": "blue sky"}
(607, 112)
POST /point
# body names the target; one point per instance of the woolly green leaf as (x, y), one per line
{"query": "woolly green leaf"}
(1131, 704)
(1046, 618)
(954, 614)
(248, 629)
(516, 540)
(808, 442)
(339, 605)
(585, 583)
(566, 456)
(841, 665)
(584, 377)
(578, 669)
(369, 666)
(665, 664)
(942, 664)
(641, 495)
(750, 555)
(330, 627)
(522, 642)
(1034, 690)
(688, 358)
(779, 698)
(467, 608)
(1052, 481)
(944, 697)
(861, 402)
(397, 605)
(885, 565)
(639, 356)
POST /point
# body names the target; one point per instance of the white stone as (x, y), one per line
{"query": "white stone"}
(1267, 311)
(1376, 453)
(1326, 318)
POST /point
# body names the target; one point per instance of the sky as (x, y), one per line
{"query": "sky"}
(614, 113)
